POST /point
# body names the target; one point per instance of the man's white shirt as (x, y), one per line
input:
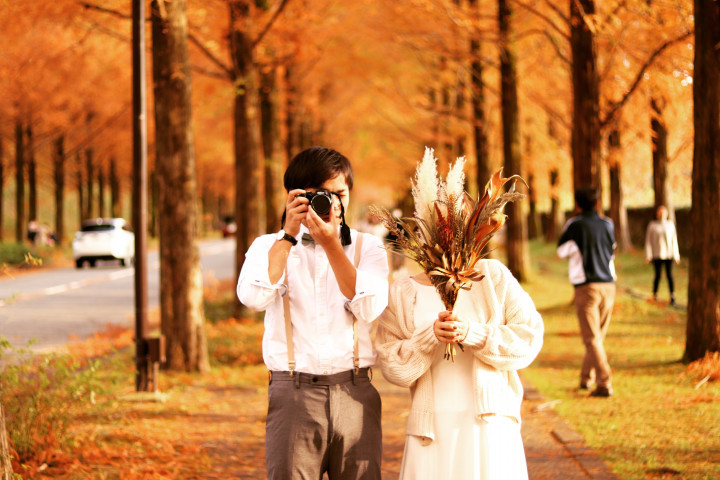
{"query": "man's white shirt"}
(321, 315)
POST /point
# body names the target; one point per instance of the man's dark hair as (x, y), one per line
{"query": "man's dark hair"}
(586, 198)
(316, 165)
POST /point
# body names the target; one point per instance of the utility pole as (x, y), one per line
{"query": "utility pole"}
(139, 203)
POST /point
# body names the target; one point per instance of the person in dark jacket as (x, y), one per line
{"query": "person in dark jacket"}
(588, 242)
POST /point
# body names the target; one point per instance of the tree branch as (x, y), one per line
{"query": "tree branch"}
(209, 73)
(554, 43)
(544, 17)
(90, 6)
(618, 105)
(225, 69)
(99, 129)
(222, 66)
(557, 11)
(281, 7)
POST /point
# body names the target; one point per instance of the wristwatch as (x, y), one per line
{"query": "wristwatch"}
(281, 235)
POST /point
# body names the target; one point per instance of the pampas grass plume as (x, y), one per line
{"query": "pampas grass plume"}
(455, 183)
(425, 186)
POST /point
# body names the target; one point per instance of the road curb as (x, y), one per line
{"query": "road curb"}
(571, 441)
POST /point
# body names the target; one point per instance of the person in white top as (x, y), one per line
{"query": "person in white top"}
(661, 248)
(464, 420)
(321, 285)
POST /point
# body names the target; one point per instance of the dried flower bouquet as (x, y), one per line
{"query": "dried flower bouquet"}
(449, 231)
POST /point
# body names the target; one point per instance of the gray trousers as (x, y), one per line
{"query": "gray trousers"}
(593, 304)
(323, 423)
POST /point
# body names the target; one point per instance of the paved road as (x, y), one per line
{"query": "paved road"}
(52, 305)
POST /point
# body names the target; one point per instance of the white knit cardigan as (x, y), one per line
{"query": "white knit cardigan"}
(506, 334)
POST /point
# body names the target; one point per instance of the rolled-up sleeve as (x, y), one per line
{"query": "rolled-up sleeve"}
(371, 284)
(254, 289)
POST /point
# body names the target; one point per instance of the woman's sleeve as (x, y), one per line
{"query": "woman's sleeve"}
(514, 344)
(404, 353)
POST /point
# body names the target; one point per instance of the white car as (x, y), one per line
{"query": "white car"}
(103, 239)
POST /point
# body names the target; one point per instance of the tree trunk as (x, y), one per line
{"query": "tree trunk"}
(101, 191)
(6, 470)
(181, 291)
(19, 183)
(32, 175)
(59, 180)
(555, 221)
(618, 211)
(2, 188)
(248, 168)
(460, 135)
(703, 316)
(291, 130)
(446, 110)
(307, 138)
(89, 174)
(533, 230)
(80, 187)
(115, 198)
(586, 98)
(518, 253)
(274, 192)
(661, 183)
(154, 204)
(477, 96)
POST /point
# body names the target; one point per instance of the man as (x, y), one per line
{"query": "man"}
(588, 242)
(321, 286)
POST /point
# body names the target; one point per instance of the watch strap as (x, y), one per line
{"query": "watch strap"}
(289, 238)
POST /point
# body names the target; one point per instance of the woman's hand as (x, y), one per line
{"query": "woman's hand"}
(448, 328)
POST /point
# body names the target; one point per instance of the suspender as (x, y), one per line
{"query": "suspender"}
(288, 321)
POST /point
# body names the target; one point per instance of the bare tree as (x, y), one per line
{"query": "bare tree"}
(80, 186)
(181, 300)
(19, 182)
(59, 177)
(31, 174)
(518, 254)
(115, 193)
(273, 164)
(659, 134)
(477, 99)
(586, 97)
(248, 167)
(618, 211)
(2, 186)
(703, 317)
(554, 223)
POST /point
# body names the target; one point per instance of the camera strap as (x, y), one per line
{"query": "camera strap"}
(288, 321)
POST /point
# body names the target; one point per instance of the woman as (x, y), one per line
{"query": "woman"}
(464, 420)
(661, 247)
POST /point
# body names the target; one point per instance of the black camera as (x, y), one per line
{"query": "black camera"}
(320, 201)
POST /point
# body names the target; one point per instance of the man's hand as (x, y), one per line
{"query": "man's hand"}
(296, 210)
(324, 233)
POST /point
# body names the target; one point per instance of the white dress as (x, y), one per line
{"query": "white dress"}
(465, 447)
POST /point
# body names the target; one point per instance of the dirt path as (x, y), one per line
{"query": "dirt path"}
(213, 428)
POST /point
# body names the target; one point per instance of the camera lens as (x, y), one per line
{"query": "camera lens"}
(321, 203)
